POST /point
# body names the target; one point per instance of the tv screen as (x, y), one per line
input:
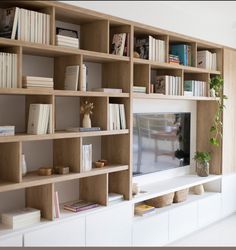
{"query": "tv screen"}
(161, 141)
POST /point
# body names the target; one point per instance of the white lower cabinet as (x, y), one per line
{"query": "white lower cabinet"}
(68, 233)
(209, 210)
(182, 220)
(112, 227)
(151, 231)
(13, 241)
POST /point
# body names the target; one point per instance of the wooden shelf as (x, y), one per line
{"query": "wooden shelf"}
(173, 97)
(186, 69)
(33, 179)
(171, 185)
(60, 135)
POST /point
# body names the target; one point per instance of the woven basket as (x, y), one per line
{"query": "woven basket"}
(161, 201)
(181, 195)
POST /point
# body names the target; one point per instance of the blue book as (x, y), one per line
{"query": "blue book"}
(180, 50)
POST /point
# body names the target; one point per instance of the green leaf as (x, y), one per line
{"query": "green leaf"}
(212, 129)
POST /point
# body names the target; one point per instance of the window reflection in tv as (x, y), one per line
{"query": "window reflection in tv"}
(161, 141)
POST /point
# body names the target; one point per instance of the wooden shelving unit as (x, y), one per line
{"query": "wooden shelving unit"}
(118, 72)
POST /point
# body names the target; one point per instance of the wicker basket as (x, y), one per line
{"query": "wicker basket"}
(161, 201)
(181, 195)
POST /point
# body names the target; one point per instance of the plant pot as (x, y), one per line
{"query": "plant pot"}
(86, 121)
(212, 93)
(202, 169)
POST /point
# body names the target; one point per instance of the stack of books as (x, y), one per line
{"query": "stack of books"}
(117, 118)
(120, 44)
(150, 48)
(143, 209)
(25, 25)
(168, 85)
(8, 69)
(72, 76)
(40, 119)
(139, 89)
(86, 158)
(21, 218)
(206, 60)
(108, 90)
(184, 52)
(195, 88)
(80, 205)
(32, 82)
(173, 59)
(7, 130)
(67, 38)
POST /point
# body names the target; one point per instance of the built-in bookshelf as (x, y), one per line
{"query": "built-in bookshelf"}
(96, 33)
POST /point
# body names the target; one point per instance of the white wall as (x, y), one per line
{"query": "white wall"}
(213, 21)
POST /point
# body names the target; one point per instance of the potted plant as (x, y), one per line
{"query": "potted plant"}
(216, 84)
(202, 163)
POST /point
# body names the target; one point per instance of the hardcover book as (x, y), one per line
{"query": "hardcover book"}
(118, 44)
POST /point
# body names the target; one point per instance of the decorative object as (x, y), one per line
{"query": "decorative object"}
(212, 93)
(136, 54)
(86, 109)
(161, 201)
(104, 161)
(23, 165)
(99, 164)
(45, 171)
(135, 189)
(198, 190)
(202, 163)
(61, 170)
(216, 85)
(181, 195)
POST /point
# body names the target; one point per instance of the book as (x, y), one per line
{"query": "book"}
(86, 158)
(7, 130)
(21, 218)
(56, 205)
(84, 85)
(122, 116)
(67, 33)
(71, 77)
(141, 46)
(80, 129)
(9, 22)
(118, 44)
(107, 90)
(80, 205)
(143, 209)
(206, 60)
(139, 89)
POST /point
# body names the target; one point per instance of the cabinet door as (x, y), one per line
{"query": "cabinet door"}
(151, 231)
(111, 227)
(15, 241)
(209, 210)
(182, 220)
(69, 233)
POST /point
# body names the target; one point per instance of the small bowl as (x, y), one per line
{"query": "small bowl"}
(99, 164)
(46, 171)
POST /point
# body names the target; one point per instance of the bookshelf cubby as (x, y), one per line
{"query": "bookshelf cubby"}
(105, 70)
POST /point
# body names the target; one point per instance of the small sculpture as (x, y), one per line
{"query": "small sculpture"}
(86, 109)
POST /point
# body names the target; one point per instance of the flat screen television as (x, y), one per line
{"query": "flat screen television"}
(161, 141)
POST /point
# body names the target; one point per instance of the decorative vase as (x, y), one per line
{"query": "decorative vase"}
(86, 121)
(202, 169)
(212, 93)
(23, 165)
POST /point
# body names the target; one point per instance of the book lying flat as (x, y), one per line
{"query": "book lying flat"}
(108, 90)
(80, 129)
(80, 205)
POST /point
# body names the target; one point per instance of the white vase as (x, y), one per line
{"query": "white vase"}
(23, 165)
(86, 121)
(212, 93)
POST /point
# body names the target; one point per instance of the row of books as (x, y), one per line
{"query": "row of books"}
(25, 25)
(40, 119)
(120, 44)
(168, 85)
(206, 60)
(195, 88)
(117, 118)
(8, 70)
(66, 41)
(72, 76)
(86, 158)
(150, 48)
(7, 130)
(184, 52)
(32, 82)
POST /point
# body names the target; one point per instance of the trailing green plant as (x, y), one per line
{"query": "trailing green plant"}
(217, 84)
(202, 157)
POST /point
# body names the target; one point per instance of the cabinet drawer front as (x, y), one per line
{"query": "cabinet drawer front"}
(110, 228)
(69, 233)
(182, 220)
(151, 231)
(209, 210)
(15, 241)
